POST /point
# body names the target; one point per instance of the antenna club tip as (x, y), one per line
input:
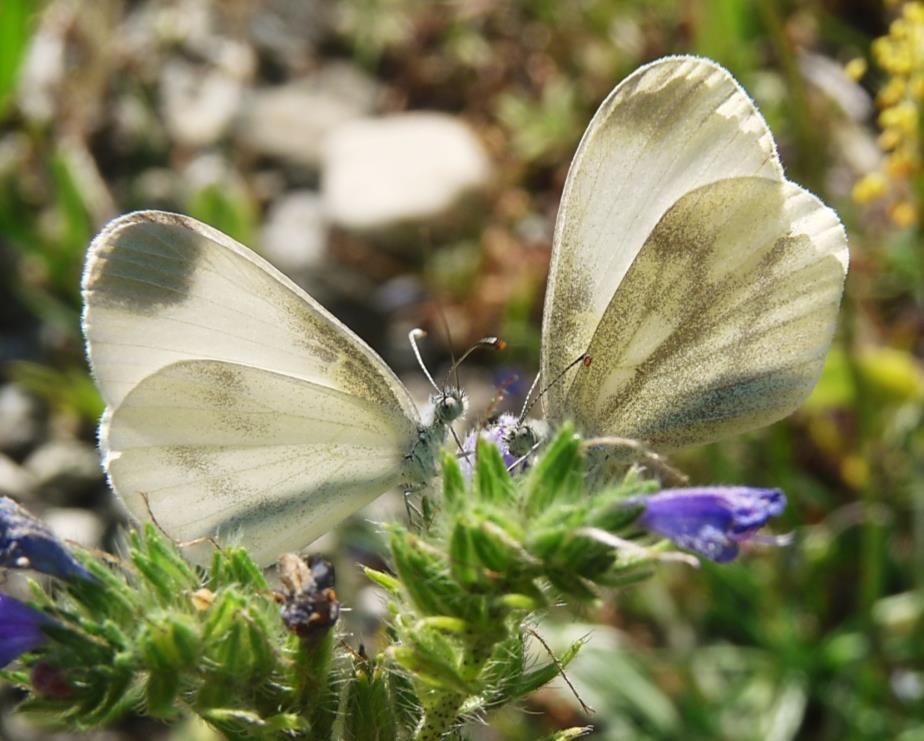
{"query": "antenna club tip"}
(417, 333)
(587, 360)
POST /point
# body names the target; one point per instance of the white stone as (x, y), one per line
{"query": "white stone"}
(290, 121)
(398, 169)
(294, 236)
(76, 525)
(199, 104)
(66, 471)
(15, 481)
(41, 74)
(22, 420)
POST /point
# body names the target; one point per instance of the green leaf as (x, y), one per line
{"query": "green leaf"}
(233, 719)
(557, 475)
(499, 550)
(385, 581)
(533, 680)
(160, 692)
(430, 668)
(16, 20)
(170, 642)
(493, 484)
(462, 561)
(425, 576)
(369, 715)
(235, 566)
(454, 491)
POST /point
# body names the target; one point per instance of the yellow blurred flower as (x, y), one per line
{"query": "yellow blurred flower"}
(889, 139)
(900, 54)
(900, 165)
(914, 12)
(892, 92)
(855, 471)
(869, 188)
(903, 214)
(855, 69)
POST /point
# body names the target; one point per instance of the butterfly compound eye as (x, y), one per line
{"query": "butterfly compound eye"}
(451, 405)
(521, 441)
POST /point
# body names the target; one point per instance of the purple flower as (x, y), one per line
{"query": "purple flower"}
(498, 434)
(710, 520)
(20, 628)
(26, 543)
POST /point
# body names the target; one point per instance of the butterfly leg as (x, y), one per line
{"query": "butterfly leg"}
(412, 510)
(606, 454)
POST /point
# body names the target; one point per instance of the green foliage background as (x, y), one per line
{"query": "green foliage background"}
(821, 640)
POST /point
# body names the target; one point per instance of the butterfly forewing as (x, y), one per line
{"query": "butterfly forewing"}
(160, 287)
(723, 320)
(670, 127)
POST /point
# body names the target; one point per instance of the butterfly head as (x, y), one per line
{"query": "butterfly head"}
(522, 440)
(449, 405)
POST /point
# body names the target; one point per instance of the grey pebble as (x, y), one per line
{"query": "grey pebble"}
(294, 237)
(22, 420)
(76, 525)
(67, 472)
(290, 121)
(15, 481)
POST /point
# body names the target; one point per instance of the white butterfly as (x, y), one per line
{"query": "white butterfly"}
(703, 285)
(235, 403)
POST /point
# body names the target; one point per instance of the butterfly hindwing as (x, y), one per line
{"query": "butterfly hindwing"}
(257, 456)
(723, 320)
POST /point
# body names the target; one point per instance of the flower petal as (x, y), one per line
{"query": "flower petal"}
(27, 543)
(497, 433)
(20, 628)
(710, 520)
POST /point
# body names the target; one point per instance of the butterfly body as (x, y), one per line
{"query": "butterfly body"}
(422, 461)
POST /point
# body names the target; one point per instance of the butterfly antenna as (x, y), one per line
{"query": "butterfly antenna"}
(526, 404)
(585, 359)
(455, 436)
(414, 335)
(495, 343)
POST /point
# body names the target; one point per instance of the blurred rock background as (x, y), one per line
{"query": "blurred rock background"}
(403, 161)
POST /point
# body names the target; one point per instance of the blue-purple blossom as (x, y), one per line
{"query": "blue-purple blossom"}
(497, 433)
(27, 543)
(20, 628)
(710, 520)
